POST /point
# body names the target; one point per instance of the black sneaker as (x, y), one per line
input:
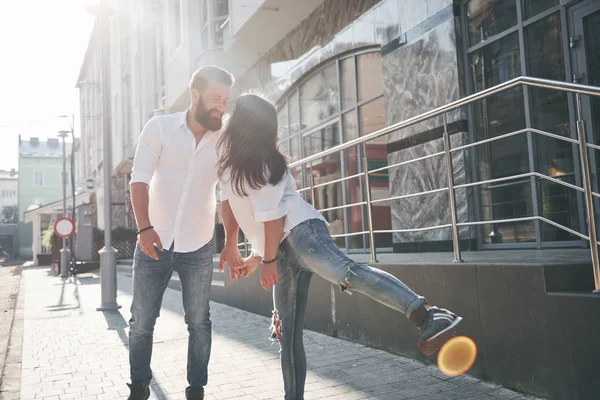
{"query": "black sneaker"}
(194, 393)
(437, 329)
(138, 392)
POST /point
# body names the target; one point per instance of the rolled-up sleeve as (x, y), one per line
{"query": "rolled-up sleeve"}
(223, 191)
(268, 202)
(147, 152)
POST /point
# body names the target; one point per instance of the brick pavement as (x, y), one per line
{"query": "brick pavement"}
(11, 313)
(71, 351)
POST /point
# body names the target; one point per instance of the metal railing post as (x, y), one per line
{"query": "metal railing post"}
(245, 246)
(587, 187)
(451, 197)
(369, 211)
(311, 180)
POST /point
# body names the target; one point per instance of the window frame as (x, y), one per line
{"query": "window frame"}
(519, 28)
(335, 118)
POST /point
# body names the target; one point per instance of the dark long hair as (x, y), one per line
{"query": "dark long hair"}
(249, 147)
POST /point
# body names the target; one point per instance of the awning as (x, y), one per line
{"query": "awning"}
(56, 207)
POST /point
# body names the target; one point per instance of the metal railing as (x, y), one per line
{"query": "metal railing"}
(581, 142)
(577, 89)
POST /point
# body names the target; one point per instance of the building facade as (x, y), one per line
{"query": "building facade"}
(40, 183)
(9, 200)
(9, 211)
(338, 70)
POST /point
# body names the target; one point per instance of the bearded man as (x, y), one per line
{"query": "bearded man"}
(173, 196)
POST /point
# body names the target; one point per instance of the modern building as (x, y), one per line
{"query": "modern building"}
(40, 183)
(339, 70)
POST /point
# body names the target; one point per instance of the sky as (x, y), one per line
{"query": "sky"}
(42, 45)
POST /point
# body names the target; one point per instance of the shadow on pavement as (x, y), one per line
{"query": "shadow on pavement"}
(116, 322)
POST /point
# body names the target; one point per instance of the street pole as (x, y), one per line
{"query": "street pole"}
(64, 252)
(108, 255)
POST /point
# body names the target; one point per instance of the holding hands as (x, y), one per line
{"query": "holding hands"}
(244, 267)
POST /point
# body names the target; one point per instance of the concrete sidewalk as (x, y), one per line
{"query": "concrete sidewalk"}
(72, 351)
(11, 330)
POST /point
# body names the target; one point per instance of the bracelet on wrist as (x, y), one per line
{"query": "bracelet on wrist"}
(269, 261)
(145, 229)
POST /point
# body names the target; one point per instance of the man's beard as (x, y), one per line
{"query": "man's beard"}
(203, 117)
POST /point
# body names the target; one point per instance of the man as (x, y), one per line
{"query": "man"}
(173, 196)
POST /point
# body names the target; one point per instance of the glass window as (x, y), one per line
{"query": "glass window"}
(284, 147)
(348, 78)
(372, 118)
(221, 8)
(204, 24)
(370, 75)
(324, 170)
(489, 17)
(175, 23)
(294, 113)
(534, 7)
(354, 186)
(282, 119)
(320, 140)
(545, 59)
(550, 112)
(218, 36)
(319, 96)
(38, 179)
(295, 148)
(494, 116)
(323, 97)
(591, 29)
(490, 66)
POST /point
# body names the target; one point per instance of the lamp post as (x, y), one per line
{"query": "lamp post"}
(64, 252)
(108, 255)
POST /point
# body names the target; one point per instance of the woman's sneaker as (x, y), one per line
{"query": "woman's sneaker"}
(436, 329)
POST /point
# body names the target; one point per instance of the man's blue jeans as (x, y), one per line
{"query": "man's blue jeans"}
(150, 279)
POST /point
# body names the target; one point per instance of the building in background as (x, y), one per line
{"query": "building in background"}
(9, 200)
(9, 211)
(40, 183)
(337, 71)
(137, 94)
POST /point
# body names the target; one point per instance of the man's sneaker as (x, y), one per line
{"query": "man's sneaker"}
(194, 393)
(138, 392)
(436, 329)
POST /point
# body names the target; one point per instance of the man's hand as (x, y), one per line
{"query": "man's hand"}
(231, 255)
(147, 241)
(250, 265)
(268, 275)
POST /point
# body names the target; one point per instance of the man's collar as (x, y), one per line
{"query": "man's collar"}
(183, 119)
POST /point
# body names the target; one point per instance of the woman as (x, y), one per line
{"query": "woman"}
(290, 240)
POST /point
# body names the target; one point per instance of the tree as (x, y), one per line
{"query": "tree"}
(10, 215)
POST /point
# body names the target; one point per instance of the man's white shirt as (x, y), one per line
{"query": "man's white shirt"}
(182, 178)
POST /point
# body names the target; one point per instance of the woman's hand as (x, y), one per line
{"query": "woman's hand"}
(231, 255)
(268, 275)
(249, 265)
